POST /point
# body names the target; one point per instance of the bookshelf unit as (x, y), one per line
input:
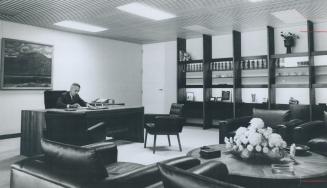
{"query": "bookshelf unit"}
(268, 73)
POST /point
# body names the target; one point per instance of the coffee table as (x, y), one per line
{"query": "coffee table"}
(310, 171)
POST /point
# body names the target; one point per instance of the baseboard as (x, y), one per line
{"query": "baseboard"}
(7, 136)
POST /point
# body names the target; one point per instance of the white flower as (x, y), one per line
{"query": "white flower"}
(255, 139)
(245, 154)
(240, 148)
(244, 139)
(258, 148)
(240, 131)
(265, 149)
(264, 143)
(256, 123)
(249, 147)
(226, 140)
(275, 140)
(235, 148)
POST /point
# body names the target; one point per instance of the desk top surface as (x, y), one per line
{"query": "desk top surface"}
(86, 109)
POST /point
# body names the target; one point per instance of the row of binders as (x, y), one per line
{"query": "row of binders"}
(254, 64)
(229, 65)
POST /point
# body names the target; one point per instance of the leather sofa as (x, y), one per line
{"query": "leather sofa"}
(314, 135)
(96, 166)
(281, 121)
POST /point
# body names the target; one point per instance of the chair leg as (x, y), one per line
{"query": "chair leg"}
(146, 138)
(169, 140)
(154, 143)
(179, 143)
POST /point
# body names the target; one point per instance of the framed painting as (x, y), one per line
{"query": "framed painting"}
(26, 65)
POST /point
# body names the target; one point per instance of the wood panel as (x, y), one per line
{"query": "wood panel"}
(181, 73)
(237, 85)
(207, 80)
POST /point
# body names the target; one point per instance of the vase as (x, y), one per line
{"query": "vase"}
(289, 42)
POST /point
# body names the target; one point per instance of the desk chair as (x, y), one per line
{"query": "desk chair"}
(169, 124)
(51, 97)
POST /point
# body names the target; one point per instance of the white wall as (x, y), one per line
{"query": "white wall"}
(104, 68)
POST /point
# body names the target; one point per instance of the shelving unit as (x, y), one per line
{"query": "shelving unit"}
(237, 74)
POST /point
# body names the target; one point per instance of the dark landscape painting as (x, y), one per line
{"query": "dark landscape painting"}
(25, 65)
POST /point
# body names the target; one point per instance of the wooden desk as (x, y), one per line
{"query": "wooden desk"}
(311, 171)
(122, 122)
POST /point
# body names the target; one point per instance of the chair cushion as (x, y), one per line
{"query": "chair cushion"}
(73, 160)
(272, 117)
(173, 177)
(301, 112)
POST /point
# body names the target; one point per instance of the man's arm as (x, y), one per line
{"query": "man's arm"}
(80, 101)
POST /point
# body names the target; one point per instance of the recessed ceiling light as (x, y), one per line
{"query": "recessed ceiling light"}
(80, 26)
(254, 1)
(289, 16)
(146, 11)
(199, 29)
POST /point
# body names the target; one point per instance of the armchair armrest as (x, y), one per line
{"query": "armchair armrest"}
(149, 175)
(304, 132)
(106, 151)
(232, 125)
(212, 169)
(281, 129)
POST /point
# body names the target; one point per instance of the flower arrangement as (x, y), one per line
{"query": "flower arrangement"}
(289, 35)
(256, 140)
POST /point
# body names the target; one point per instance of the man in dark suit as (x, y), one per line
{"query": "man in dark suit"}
(71, 99)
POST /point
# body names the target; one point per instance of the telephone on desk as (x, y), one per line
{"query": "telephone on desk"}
(98, 100)
(102, 102)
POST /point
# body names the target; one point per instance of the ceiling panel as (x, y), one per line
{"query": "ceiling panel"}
(221, 16)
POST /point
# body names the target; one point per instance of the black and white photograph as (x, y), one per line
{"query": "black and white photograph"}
(25, 65)
(163, 94)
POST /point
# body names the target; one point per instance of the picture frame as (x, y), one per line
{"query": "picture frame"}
(25, 65)
(189, 96)
(225, 96)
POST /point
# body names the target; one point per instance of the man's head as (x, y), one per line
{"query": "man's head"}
(74, 89)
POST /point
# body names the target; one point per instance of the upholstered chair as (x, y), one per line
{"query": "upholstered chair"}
(51, 97)
(167, 124)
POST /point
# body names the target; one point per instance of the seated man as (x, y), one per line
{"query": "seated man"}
(71, 99)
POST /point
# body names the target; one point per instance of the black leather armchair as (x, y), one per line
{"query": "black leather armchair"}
(70, 128)
(95, 166)
(51, 97)
(314, 134)
(171, 124)
(280, 121)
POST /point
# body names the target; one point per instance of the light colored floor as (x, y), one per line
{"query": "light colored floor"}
(191, 137)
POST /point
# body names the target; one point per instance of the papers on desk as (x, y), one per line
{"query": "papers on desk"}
(70, 109)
